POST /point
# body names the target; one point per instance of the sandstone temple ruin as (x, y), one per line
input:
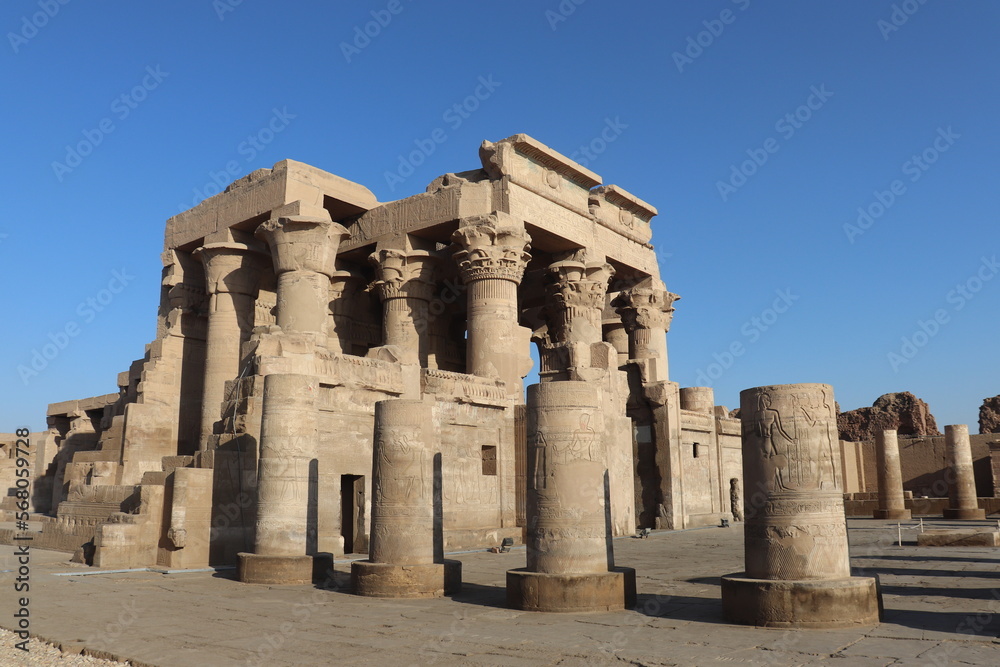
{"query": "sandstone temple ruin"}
(294, 302)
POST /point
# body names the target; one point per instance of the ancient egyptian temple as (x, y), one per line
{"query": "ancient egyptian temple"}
(294, 301)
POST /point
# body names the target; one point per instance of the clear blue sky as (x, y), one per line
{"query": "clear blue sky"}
(692, 90)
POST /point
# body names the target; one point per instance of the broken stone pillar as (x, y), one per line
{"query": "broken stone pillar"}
(288, 436)
(304, 244)
(698, 399)
(891, 504)
(962, 494)
(405, 283)
(401, 560)
(798, 571)
(647, 313)
(231, 274)
(492, 255)
(570, 560)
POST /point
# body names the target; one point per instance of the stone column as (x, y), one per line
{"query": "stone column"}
(698, 399)
(798, 570)
(492, 255)
(344, 287)
(231, 274)
(616, 334)
(288, 435)
(304, 244)
(570, 562)
(576, 292)
(891, 504)
(405, 283)
(647, 313)
(401, 552)
(962, 492)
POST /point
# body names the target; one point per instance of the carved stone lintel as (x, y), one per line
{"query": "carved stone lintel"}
(491, 247)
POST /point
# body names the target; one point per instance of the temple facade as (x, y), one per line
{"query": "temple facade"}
(294, 301)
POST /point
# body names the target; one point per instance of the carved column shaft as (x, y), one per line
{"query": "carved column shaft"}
(798, 569)
(302, 298)
(795, 525)
(491, 259)
(616, 334)
(962, 492)
(492, 321)
(344, 287)
(891, 502)
(405, 285)
(403, 485)
(566, 509)
(231, 272)
(288, 436)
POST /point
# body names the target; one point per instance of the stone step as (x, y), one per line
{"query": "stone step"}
(171, 463)
(154, 477)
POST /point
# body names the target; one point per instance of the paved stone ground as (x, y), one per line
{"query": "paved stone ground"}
(941, 609)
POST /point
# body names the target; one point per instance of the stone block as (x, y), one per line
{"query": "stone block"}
(958, 538)
(599, 591)
(826, 603)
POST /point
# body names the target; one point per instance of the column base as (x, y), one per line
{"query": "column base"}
(601, 591)
(258, 569)
(895, 515)
(382, 580)
(819, 603)
(964, 514)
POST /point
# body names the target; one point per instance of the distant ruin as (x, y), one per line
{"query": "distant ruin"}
(901, 411)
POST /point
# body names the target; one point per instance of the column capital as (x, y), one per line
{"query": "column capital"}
(491, 246)
(231, 267)
(302, 239)
(404, 273)
(576, 290)
(645, 308)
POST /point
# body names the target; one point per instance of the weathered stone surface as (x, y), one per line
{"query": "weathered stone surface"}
(959, 538)
(890, 478)
(963, 503)
(989, 415)
(294, 302)
(569, 549)
(405, 533)
(902, 411)
(795, 536)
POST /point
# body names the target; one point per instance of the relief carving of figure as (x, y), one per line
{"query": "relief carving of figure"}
(584, 439)
(400, 476)
(735, 499)
(769, 428)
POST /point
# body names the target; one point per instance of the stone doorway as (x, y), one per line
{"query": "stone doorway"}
(352, 513)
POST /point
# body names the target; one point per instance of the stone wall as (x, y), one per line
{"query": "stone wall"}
(924, 462)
